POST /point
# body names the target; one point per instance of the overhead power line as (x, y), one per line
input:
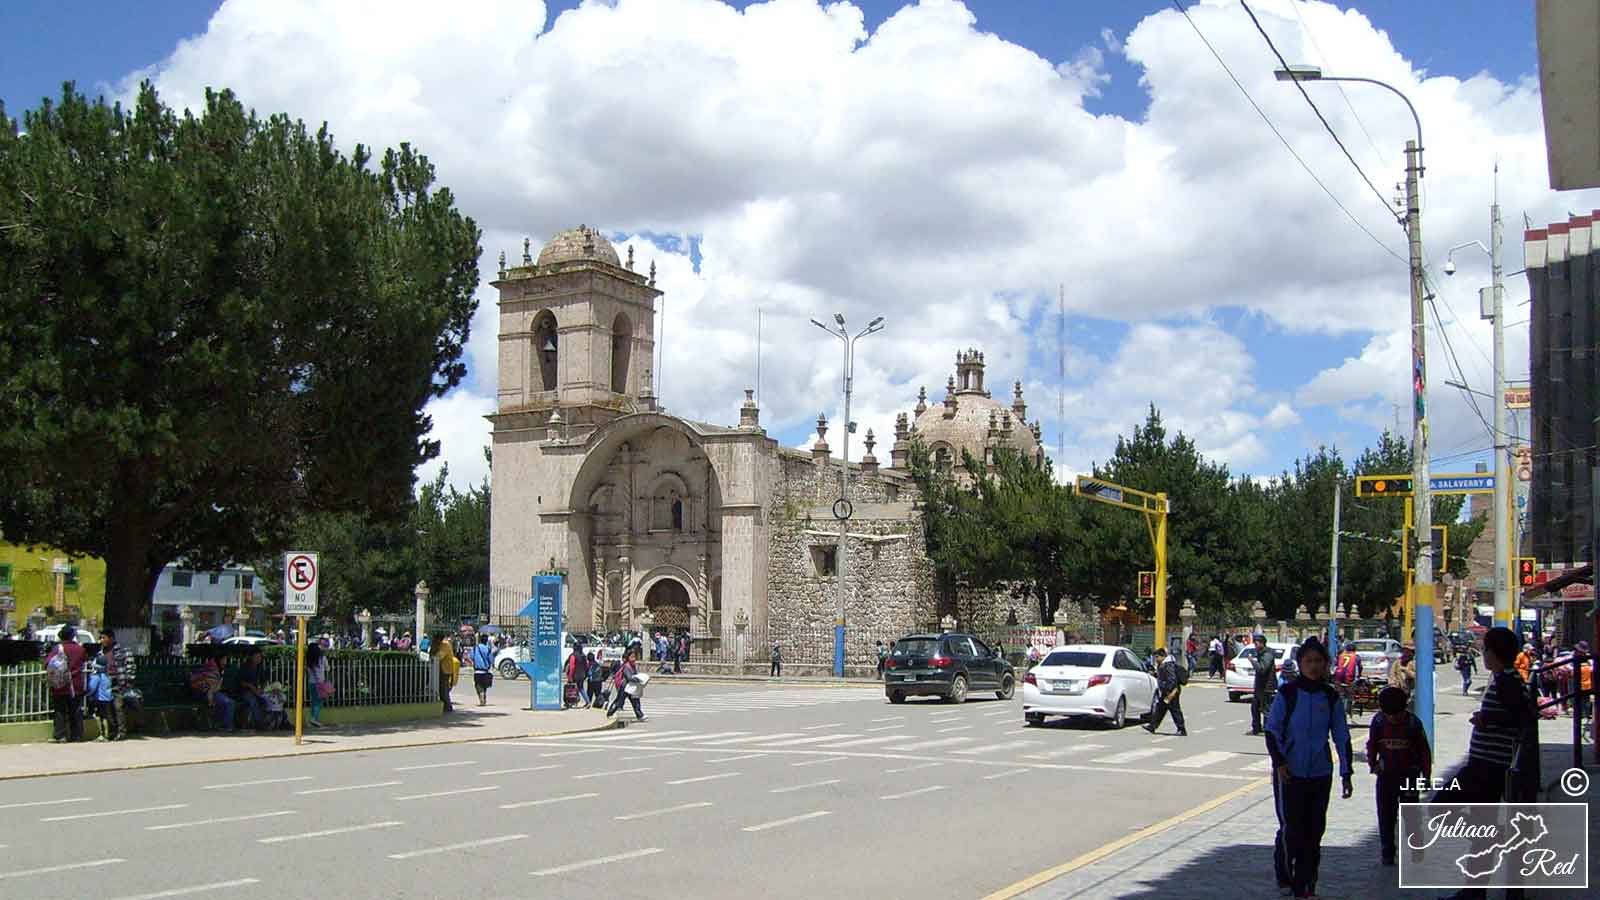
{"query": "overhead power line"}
(1325, 61)
(1324, 119)
(1283, 140)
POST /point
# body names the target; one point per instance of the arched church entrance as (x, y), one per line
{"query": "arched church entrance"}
(668, 601)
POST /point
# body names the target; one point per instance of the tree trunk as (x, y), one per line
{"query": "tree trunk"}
(131, 576)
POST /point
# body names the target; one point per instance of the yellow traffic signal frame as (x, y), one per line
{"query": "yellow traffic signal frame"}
(1533, 571)
(1155, 508)
(1379, 486)
(1147, 585)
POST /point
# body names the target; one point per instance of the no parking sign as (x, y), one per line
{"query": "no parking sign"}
(300, 583)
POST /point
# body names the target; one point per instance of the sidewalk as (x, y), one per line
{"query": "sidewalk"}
(1224, 852)
(505, 717)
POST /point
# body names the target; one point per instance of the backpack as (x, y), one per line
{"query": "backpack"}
(58, 671)
(1183, 675)
(1291, 696)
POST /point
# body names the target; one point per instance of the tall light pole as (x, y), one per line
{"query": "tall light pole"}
(1422, 584)
(842, 508)
(1491, 305)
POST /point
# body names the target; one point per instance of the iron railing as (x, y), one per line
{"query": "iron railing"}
(24, 693)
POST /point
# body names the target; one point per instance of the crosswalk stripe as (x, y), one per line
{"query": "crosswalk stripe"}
(820, 739)
(695, 737)
(942, 742)
(1131, 755)
(622, 735)
(752, 738)
(1200, 760)
(862, 742)
(1017, 745)
(1068, 751)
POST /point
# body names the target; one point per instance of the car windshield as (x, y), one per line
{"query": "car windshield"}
(1078, 659)
(916, 647)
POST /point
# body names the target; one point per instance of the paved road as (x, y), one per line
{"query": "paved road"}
(800, 791)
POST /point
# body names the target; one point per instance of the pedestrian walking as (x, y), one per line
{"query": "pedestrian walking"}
(1191, 650)
(577, 676)
(626, 676)
(120, 671)
(683, 653)
(1504, 716)
(1304, 715)
(1266, 682)
(596, 676)
(318, 687)
(1398, 753)
(1215, 651)
(64, 674)
(1348, 669)
(883, 656)
(777, 661)
(483, 668)
(1169, 687)
(1466, 667)
(98, 692)
(449, 668)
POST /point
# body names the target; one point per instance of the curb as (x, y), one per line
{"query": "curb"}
(605, 726)
(757, 679)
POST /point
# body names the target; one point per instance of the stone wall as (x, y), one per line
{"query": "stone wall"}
(890, 581)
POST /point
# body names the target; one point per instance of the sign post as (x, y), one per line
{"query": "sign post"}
(299, 600)
(544, 670)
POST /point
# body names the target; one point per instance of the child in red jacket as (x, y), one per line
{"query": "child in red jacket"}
(1398, 753)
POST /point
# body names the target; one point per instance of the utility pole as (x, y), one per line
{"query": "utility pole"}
(1423, 506)
(1502, 452)
(1333, 577)
(844, 494)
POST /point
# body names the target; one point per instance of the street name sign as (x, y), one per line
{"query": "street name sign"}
(300, 576)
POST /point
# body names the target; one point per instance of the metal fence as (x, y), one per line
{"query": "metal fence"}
(477, 604)
(24, 693)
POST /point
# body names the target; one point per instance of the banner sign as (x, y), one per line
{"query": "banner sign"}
(545, 611)
(1496, 845)
(1519, 398)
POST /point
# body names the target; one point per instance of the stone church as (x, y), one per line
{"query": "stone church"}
(702, 525)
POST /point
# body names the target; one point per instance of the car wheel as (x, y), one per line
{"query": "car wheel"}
(508, 669)
(1119, 719)
(958, 690)
(1033, 718)
(1233, 696)
(1008, 689)
(897, 696)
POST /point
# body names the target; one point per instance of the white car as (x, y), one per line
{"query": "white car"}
(255, 637)
(1240, 674)
(1091, 680)
(51, 634)
(506, 661)
(1375, 654)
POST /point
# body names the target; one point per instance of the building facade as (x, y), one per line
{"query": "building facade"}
(45, 586)
(213, 598)
(698, 525)
(1564, 360)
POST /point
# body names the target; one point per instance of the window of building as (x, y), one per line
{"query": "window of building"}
(825, 560)
(182, 578)
(216, 577)
(677, 515)
(246, 582)
(666, 511)
(72, 578)
(5, 575)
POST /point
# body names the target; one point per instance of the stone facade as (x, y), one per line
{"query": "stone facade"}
(698, 525)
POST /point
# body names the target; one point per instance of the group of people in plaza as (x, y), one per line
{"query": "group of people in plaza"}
(88, 680)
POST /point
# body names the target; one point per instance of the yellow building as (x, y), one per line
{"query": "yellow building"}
(63, 587)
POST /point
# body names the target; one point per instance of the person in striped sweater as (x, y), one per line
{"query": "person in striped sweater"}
(1500, 724)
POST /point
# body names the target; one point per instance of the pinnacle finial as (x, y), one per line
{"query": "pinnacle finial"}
(502, 265)
(527, 257)
(652, 273)
(630, 257)
(822, 426)
(871, 441)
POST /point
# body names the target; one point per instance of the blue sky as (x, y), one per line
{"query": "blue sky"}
(44, 43)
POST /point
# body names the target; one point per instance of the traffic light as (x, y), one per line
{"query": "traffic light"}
(1147, 585)
(1383, 486)
(1525, 571)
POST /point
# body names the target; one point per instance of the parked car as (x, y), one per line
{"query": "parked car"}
(51, 634)
(259, 639)
(1239, 676)
(1098, 681)
(950, 666)
(1375, 654)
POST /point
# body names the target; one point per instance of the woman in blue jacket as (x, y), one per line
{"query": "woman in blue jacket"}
(1304, 715)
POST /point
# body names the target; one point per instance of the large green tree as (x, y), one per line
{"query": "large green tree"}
(216, 324)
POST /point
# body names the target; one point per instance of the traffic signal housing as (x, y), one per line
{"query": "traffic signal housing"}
(1383, 486)
(1525, 571)
(1147, 585)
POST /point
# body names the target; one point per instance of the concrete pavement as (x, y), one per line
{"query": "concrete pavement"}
(506, 717)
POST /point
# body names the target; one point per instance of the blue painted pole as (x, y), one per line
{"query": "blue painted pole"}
(838, 650)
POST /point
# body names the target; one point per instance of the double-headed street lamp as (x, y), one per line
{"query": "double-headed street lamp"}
(841, 510)
(1422, 584)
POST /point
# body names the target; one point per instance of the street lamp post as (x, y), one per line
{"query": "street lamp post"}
(840, 568)
(1422, 508)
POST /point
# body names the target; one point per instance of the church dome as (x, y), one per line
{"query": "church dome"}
(581, 243)
(963, 421)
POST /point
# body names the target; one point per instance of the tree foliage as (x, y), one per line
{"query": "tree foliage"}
(217, 325)
(1232, 542)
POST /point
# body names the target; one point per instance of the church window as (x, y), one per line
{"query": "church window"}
(941, 458)
(825, 560)
(677, 514)
(621, 353)
(666, 512)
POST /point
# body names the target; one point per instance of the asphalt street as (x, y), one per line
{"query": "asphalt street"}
(792, 790)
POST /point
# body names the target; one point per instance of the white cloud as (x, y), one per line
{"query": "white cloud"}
(928, 172)
(463, 433)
